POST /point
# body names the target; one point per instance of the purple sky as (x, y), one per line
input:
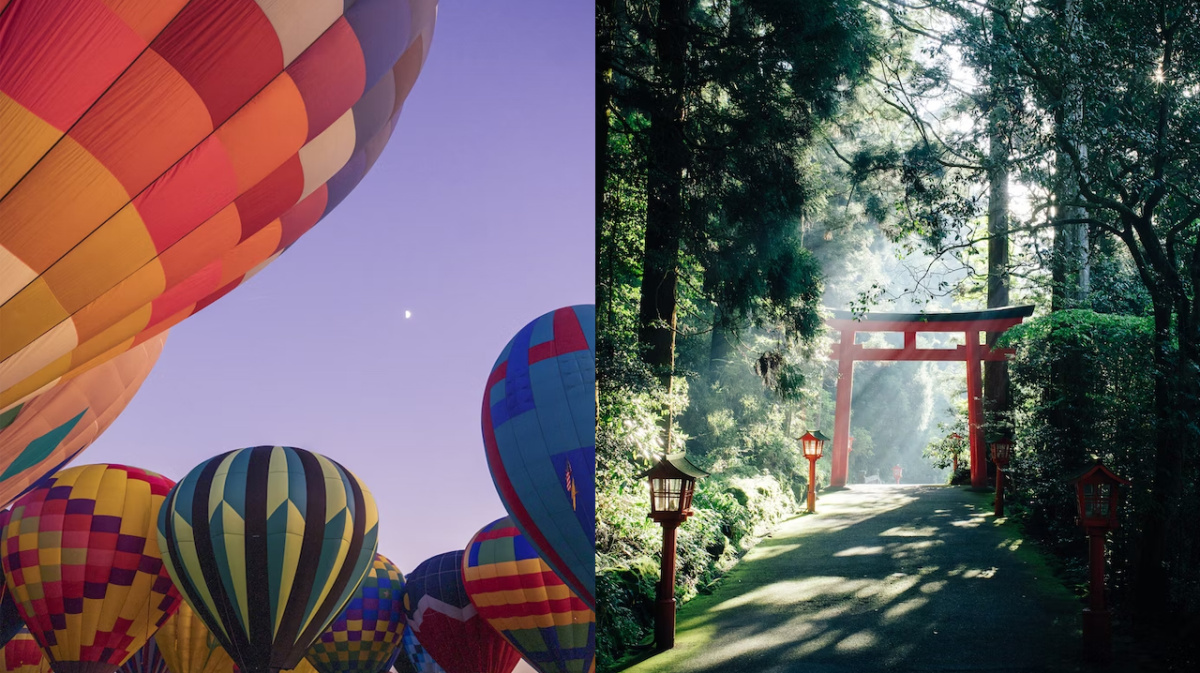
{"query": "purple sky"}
(478, 218)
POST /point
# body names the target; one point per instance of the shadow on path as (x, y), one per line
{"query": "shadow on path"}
(904, 578)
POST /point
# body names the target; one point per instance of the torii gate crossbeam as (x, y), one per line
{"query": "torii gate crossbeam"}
(973, 353)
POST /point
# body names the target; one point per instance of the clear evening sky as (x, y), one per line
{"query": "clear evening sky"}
(478, 217)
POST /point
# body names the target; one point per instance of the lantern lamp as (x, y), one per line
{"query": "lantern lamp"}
(1098, 497)
(812, 443)
(1001, 447)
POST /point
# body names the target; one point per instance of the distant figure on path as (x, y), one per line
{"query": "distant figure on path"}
(897, 472)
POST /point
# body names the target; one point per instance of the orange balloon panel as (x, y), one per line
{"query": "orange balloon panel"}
(156, 153)
(48, 431)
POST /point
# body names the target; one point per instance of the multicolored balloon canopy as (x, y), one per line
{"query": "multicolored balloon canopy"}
(22, 654)
(187, 646)
(446, 623)
(413, 657)
(46, 432)
(81, 559)
(267, 544)
(365, 636)
(159, 152)
(146, 660)
(530, 605)
(539, 432)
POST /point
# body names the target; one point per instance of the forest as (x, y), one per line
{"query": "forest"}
(764, 162)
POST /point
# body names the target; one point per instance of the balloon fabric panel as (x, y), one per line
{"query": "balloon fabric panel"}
(50, 430)
(522, 598)
(415, 659)
(178, 146)
(81, 559)
(146, 660)
(446, 623)
(539, 433)
(267, 544)
(21, 654)
(188, 646)
(366, 635)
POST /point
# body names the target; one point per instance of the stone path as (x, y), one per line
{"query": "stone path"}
(895, 578)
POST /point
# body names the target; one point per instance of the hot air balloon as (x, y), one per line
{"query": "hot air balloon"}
(365, 636)
(413, 657)
(448, 625)
(82, 562)
(10, 620)
(539, 432)
(267, 544)
(523, 599)
(48, 431)
(21, 654)
(146, 660)
(159, 152)
(187, 646)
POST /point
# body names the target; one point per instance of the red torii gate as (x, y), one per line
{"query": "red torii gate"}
(970, 323)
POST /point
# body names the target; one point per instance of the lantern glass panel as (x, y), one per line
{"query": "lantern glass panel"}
(665, 494)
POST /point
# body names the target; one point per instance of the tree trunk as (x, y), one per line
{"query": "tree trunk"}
(1070, 267)
(995, 374)
(666, 158)
(604, 56)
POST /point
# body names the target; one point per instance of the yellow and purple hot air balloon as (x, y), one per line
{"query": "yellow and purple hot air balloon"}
(539, 432)
(156, 153)
(527, 602)
(81, 558)
(365, 637)
(187, 646)
(146, 660)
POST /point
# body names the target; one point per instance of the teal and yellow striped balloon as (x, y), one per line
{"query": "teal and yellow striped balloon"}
(267, 544)
(367, 633)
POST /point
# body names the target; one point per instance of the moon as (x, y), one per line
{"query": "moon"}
(407, 315)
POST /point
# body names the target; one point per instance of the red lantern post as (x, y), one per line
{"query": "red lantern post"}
(958, 447)
(813, 445)
(1001, 454)
(672, 482)
(897, 473)
(1098, 496)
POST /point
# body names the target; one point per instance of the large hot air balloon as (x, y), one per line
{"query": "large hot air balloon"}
(539, 431)
(363, 638)
(21, 654)
(46, 432)
(156, 153)
(530, 605)
(413, 657)
(448, 625)
(146, 660)
(267, 544)
(187, 646)
(81, 559)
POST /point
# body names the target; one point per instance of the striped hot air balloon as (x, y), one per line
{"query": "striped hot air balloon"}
(81, 559)
(46, 432)
(527, 602)
(157, 153)
(188, 646)
(267, 544)
(146, 660)
(22, 654)
(539, 432)
(365, 636)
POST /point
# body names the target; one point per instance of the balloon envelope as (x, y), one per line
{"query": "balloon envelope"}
(267, 544)
(46, 432)
(414, 658)
(22, 654)
(523, 599)
(448, 625)
(11, 622)
(539, 432)
(187, 646)
(159, 152)
(146, 660)
(365, 636)
(81, 559)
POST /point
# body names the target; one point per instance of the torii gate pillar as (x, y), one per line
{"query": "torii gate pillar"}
(972, 353)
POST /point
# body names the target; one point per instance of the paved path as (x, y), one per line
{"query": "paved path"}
(895, 578)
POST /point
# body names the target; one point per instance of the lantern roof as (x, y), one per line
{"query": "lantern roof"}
(820, 435)
(1097, 472)
(674, 466)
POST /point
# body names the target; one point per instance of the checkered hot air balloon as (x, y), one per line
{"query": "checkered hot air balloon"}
(539, 432)
(22, 654)
(188, 646)
(81, 559)
(448, 625)
(364, 638)
(146, 660)
(157, 153)
(527, 602)
(413, 657)
(267, 544)
(44, 433)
